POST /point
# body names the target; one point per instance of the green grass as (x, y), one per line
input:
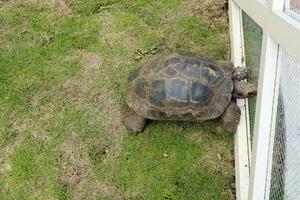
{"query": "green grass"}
(63, 71)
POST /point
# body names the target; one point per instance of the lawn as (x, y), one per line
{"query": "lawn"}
(64, 66)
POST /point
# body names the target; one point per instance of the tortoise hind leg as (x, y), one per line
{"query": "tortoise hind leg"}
(136, 123)
(231, 118)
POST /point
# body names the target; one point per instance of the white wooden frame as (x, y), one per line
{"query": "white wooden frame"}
(280, 29)
(290, 12)
(242, 137)
(269, 15)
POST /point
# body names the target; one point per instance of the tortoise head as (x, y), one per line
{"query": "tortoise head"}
(243, 89)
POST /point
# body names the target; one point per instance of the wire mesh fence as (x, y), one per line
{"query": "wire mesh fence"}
(277, 182)
(253, 43)
(285, 174)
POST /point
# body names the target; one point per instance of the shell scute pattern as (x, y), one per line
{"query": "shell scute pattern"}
(170, 71)
(192, 69)
(226, 86)
(213, 77)
(182, 86)
(157, 95)
(201, 95)
(178, 92)
(171, 66)
(223, 100)
(141, 87)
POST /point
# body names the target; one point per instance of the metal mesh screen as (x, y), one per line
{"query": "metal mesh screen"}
(277, 183)
(285, 174)
(253, 43)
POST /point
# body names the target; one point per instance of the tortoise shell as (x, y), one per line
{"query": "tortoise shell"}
(181, 86)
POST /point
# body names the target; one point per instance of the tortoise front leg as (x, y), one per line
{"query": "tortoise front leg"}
(136, 123)
(231, 118)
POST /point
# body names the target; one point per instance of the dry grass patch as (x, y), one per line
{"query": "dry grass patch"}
(79, 87)
(95, 189)
(214, 11)
(19, 128)
(111, 109)
(109, 34)
(57, 7)
(78, 174)
(75, 162)
(90, 60)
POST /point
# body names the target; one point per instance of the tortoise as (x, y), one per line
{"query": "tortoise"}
(186, 86)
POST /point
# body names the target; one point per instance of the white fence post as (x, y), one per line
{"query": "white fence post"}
(242, 147)
(263, 119)
(282, 28)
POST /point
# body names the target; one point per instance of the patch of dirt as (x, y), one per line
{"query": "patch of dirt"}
(214, 11)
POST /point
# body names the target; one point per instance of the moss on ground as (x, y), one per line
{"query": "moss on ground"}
(63, 70)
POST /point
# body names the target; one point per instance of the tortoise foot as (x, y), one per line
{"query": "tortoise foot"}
(136, 123)
(231, 118)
